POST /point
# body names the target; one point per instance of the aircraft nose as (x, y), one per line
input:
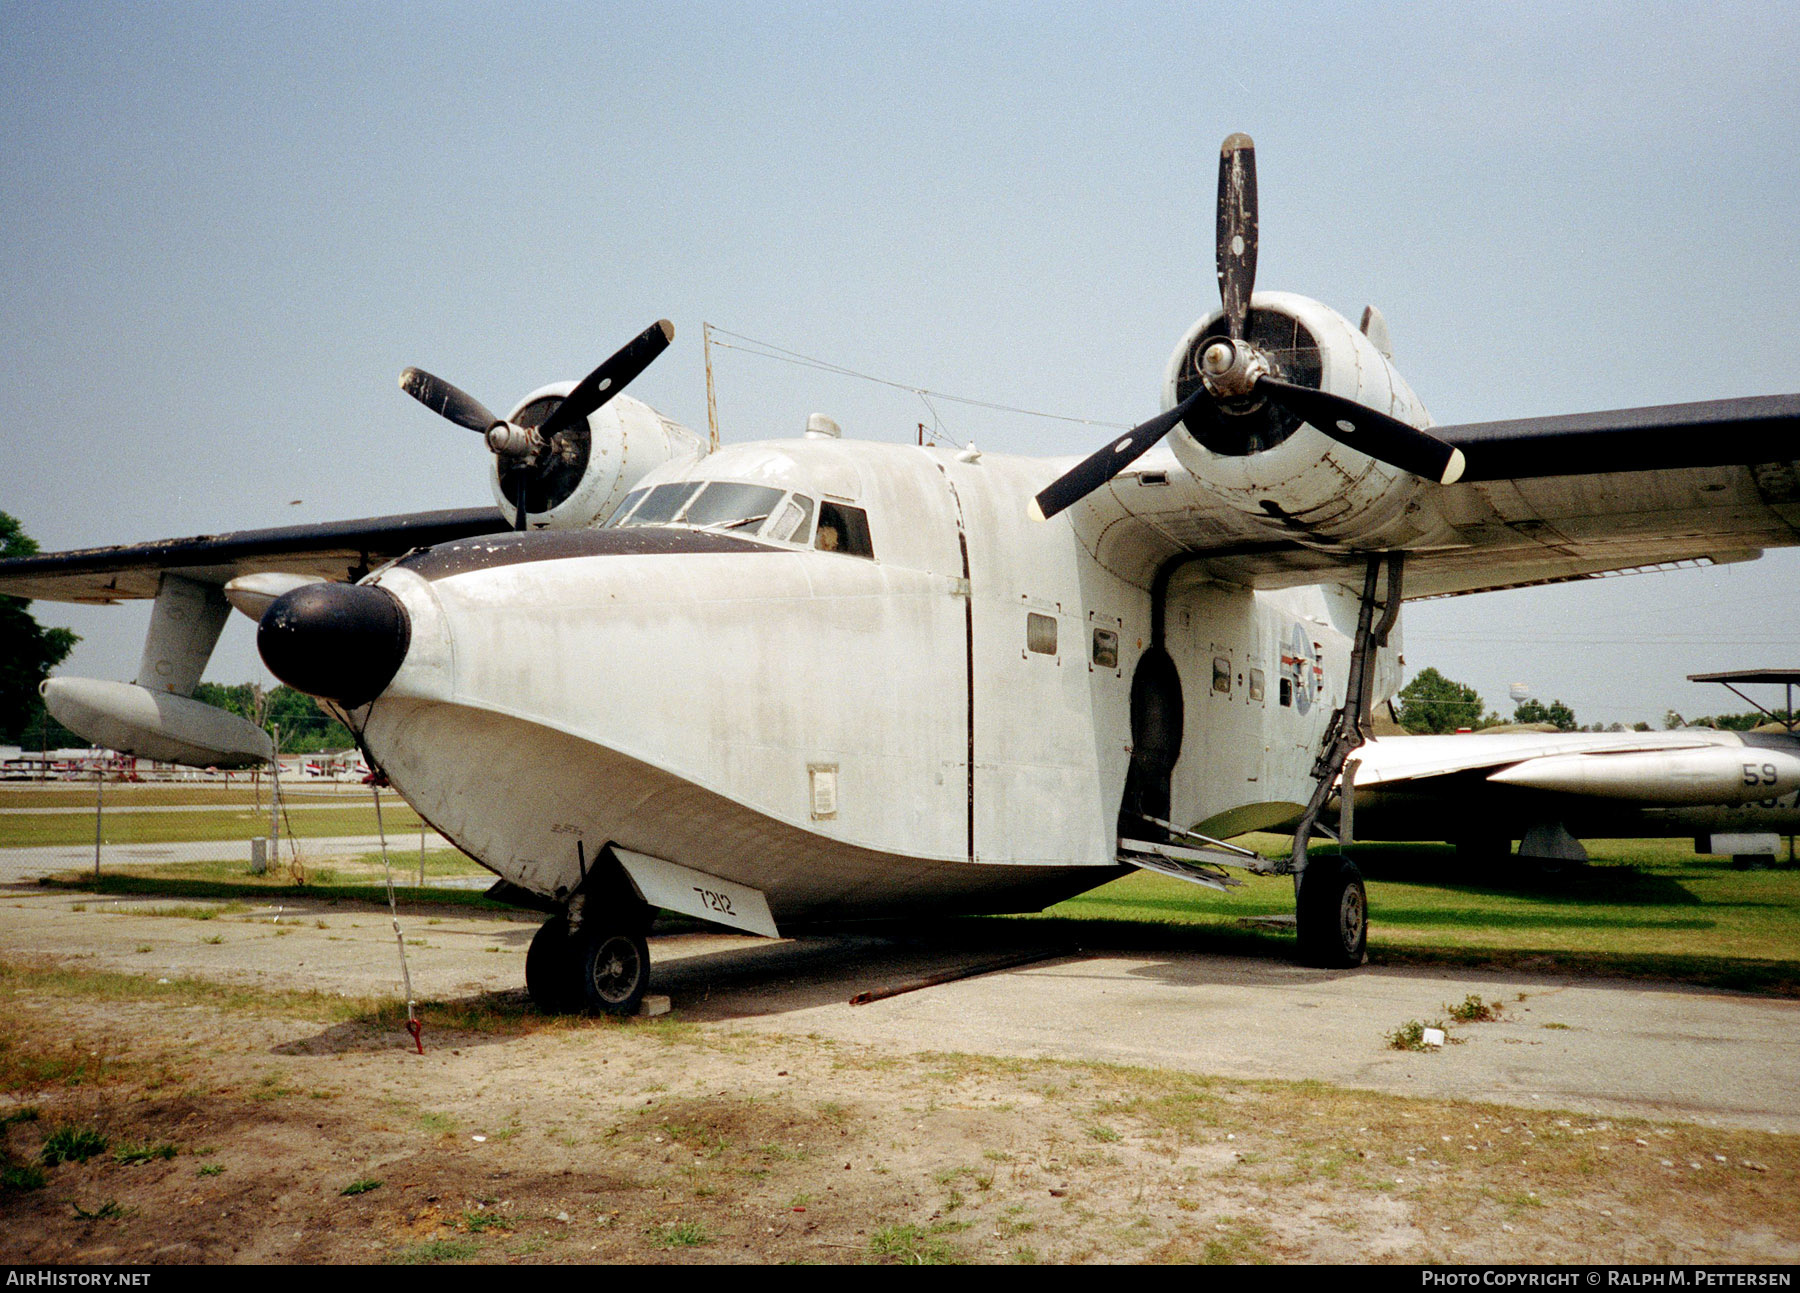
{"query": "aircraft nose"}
(341, 642)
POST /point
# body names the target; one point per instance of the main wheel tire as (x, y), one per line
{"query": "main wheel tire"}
(615, 970)
(1331, 911)
(552, 971)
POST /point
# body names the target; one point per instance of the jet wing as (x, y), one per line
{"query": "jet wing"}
(1693, 766)
(334, 550)
(1390, 760)
(1542, 500)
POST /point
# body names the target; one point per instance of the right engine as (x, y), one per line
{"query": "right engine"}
(1263, 459)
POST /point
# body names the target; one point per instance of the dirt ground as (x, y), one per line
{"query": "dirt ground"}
(253, 1064)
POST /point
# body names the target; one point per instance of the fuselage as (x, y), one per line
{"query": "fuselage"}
(928, 709)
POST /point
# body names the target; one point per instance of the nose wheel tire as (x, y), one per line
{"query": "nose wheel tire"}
(551, 972)
(1331, 911)
(615, 970)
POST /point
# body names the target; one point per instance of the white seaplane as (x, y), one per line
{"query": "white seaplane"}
(817, 679)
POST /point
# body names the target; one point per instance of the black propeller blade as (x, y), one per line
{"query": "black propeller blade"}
(589, 394)
(1241, 370)
(1096, 469)
(1383, 438)
(1236, 255)
(446, 400)
(610, 378)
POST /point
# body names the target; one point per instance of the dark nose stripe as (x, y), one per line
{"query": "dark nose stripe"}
(341, 642)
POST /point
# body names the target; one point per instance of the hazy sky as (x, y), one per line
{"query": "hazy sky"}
(224, 229)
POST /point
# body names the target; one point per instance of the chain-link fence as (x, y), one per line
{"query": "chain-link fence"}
(311, 817)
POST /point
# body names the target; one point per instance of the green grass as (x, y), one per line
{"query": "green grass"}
(22, 1176)
(72, 1145)
(438, 1250)
(79, 795)
(231, 880)
(680, 1234)
(145, 1153)
(124, 826)
(910, 1245)
(1641, 909)
(23, 1068)
(362, 1186)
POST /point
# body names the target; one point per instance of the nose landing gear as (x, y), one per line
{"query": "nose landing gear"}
(594, 958)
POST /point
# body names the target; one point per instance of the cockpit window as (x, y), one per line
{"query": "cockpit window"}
(793, 524)
(744, 508)
(623, 510)
(844, 529)
(661, 504)
(732, 505)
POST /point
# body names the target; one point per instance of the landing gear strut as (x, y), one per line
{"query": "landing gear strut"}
(1330, 906)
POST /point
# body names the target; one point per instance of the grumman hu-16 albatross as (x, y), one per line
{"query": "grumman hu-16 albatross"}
(814, 679)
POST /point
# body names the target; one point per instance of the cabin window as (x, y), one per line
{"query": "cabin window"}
(1222, 675)
(732, 505)
(793, 522)
(1287, 692)
(845, 529)
(1256, 684)
(1040, 633)
(1106, 649)
(661, 504)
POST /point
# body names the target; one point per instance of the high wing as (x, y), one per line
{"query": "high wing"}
(334, 550)
(1299, 451)
(1541, 500)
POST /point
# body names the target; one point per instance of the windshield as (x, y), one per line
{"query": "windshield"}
(660, 504)
(731, 505)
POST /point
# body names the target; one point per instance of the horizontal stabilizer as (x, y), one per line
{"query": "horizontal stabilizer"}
(155, 725)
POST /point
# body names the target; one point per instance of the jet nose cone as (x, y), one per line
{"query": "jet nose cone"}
(341, 642)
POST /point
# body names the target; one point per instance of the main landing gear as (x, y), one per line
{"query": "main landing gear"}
(1331, 913)
(596, 961)
(1331, 908)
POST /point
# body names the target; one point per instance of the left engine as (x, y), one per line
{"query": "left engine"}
(1264, 459)
(581, 474)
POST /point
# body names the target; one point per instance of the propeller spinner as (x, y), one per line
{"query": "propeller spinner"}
(1231, 368)
(538, 452)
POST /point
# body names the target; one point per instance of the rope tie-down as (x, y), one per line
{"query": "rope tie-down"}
(413, 1024)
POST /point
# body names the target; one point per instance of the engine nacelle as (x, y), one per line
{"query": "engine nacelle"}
(579, 478)
(1265, 461)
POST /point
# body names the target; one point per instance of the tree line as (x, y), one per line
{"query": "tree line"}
(1432, 703)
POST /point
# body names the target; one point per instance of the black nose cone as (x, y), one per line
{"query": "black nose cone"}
(341, 642)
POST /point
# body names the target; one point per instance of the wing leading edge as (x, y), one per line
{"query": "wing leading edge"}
(334, 550)
(1542, 500)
